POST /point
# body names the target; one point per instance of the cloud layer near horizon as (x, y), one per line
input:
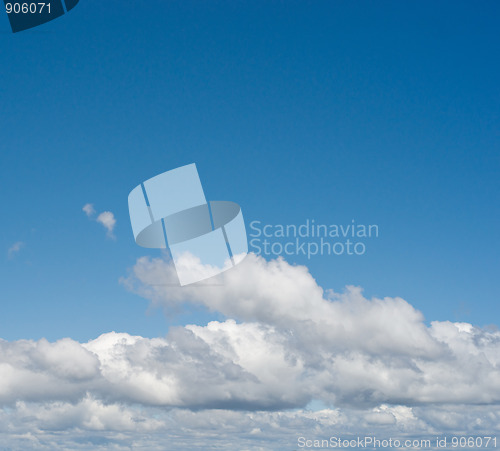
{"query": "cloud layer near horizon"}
(286, 342)
(92, 425)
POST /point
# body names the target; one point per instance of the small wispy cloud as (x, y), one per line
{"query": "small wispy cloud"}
(106, 219)
(89, 210)
(15, 248)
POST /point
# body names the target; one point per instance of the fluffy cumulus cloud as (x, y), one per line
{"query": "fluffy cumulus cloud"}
(106, 218)
(344, 348)
(108, 221)
(290, 360)
(89, 210)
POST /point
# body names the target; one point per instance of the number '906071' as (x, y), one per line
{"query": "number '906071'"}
(27, 8)
(25, 14)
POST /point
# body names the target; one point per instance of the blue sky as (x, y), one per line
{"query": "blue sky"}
(385, 113)
(382, 112)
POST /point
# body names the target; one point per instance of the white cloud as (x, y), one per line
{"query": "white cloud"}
(248, 366)
(294, 343)
(107, 219)
(285, 296)
(15, 248)
(89, 210)
(91, 424)
(340, 348)
(373, 364)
